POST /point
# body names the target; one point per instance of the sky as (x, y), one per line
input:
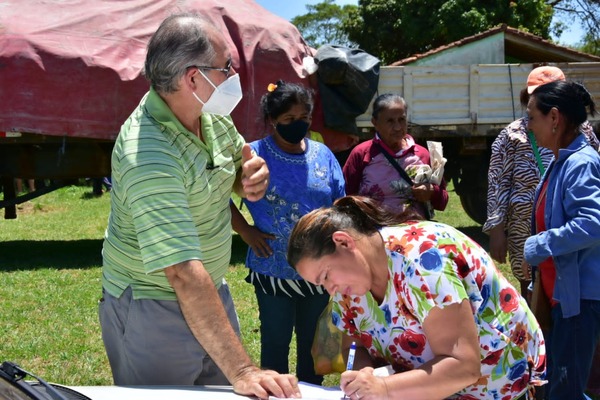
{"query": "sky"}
(289, 9)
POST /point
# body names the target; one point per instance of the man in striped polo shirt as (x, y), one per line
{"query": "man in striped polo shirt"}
(167, 315)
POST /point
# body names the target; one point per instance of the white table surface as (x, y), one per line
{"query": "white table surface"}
(159, 392)
(309, 392)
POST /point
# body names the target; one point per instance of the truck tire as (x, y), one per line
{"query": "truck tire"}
(472, 188)
(474, 204)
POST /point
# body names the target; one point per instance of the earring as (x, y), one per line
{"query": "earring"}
(553, 129)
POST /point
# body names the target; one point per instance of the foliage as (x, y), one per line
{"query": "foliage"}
(395, 29)
(320, 25)
(586, 13)
(590, 44)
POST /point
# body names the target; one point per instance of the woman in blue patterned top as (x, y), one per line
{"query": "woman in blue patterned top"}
(305, 175)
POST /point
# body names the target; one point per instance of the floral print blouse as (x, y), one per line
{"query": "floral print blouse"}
(434, 265)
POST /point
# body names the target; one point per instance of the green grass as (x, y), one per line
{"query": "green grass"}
(50, 266)
(50, 284)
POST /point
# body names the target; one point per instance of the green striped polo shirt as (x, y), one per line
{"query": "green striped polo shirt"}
(169, 199)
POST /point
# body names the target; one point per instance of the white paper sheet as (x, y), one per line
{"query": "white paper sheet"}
(315, 392)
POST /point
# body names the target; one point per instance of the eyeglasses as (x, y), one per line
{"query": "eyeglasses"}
(225, 70)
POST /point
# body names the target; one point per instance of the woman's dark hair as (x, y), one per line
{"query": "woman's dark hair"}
(283, 97)
(570, 98)
(524, 97)
(312, 235)
(385, 101)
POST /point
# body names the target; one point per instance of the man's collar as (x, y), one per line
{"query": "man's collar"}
(158, 109)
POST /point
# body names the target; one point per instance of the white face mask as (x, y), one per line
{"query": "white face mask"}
(225, 97)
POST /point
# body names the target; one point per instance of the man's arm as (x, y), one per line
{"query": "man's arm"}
(204, 313)
(252, 178)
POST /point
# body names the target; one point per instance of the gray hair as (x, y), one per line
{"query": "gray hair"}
(181, 41)
(385, 101)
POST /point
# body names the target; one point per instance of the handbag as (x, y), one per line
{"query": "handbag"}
(540, 304)
(426, 205)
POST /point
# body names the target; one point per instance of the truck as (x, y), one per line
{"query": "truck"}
(71, 74)
(464, 107)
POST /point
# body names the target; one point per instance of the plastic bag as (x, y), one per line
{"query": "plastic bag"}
(327, 345)
(420, 173)
(437, 161)
(348, 79)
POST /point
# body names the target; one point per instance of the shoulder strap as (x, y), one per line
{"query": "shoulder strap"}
(395, 164)
(536, 152)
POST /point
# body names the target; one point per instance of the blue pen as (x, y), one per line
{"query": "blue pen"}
(351, 354)
(350, 363)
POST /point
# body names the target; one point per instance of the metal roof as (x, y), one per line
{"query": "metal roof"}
(518, 45)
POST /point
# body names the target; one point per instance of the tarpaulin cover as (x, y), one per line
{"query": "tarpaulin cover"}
(73, 67)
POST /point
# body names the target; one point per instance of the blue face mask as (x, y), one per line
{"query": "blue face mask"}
(293, 132)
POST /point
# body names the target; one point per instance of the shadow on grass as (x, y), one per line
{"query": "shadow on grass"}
(58, 254)
(239, 248)
(77, 254)
(22, 255)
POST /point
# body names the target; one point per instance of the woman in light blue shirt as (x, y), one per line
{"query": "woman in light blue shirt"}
(566, 223)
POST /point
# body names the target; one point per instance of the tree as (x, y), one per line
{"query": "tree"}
(321, 25)
(585, 13)
(590, 45)
(395, 29)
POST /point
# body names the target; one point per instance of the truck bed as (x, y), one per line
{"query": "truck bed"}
(469, 99)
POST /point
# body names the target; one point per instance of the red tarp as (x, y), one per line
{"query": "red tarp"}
(73, 68)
